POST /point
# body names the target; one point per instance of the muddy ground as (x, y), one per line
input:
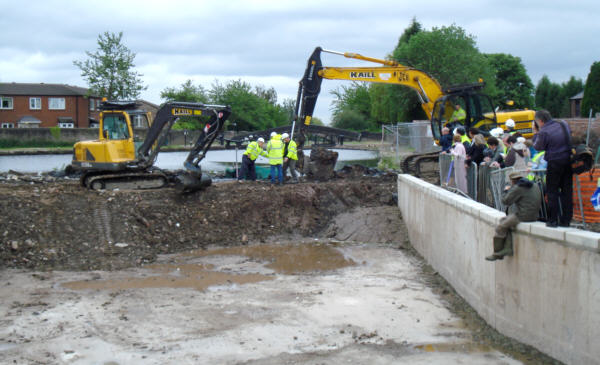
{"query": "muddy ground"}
(62, 226)
(58, 225)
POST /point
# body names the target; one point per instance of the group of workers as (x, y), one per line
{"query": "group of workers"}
(282, 153)
(549, 150)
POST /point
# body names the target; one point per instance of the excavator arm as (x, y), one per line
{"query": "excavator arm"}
(392, 72)
(213, 115)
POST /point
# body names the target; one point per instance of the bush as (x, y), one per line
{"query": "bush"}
(55, 132)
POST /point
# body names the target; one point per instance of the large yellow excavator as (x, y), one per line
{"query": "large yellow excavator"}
(119, 159)
(439, 104)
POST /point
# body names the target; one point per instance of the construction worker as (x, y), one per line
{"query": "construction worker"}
(459, 115)
(464, 139)
(290, 157)
(275, 154)
(510, 127)
(252, 152)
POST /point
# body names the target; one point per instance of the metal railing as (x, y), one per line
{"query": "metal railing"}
(457, 175)
(408, 138)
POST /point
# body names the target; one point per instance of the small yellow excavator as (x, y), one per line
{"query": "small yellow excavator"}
(439, 104)
(119, 159)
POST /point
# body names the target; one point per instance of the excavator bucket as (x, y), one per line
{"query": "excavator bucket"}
(189, 182)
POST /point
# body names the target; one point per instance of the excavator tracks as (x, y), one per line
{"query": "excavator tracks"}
(125, 181)
(423, 165)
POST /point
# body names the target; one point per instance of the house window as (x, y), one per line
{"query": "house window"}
(65, 125)
(6, 102)
(35, 103)
(97, 103)
(92, 104)
(8, 125)
(56, 103)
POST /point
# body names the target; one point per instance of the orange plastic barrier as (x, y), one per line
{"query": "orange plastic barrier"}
(587, 190)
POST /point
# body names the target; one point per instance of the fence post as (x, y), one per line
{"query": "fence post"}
(397, 143)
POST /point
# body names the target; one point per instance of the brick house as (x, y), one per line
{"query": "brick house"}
(46, 105)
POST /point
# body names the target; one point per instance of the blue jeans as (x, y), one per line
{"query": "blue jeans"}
(276, 169)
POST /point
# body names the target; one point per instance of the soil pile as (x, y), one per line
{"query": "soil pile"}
(60, 225)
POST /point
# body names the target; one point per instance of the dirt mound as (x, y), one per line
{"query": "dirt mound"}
(60, 225)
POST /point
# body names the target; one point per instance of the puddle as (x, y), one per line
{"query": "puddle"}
(180, 273)
(287, 259)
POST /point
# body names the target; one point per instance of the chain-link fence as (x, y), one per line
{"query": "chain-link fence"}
(408, 138)
(458, 175)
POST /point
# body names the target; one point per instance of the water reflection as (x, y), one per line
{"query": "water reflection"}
(215, 161)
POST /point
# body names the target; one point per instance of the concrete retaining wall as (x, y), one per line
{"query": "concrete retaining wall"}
(547, 295)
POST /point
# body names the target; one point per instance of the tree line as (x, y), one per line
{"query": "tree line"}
(447, 53)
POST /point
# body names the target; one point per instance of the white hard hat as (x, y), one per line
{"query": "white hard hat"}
(497, 132)
(260, 139)
(284, 136)
(273, 133)
(510, 123)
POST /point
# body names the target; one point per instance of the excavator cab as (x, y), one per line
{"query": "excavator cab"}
(478, 110)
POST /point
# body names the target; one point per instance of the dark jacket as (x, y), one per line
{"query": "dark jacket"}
(446, 141)
(523, 199)
(475, 153)
(551, 138)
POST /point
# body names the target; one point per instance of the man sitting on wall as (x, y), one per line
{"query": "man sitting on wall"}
(523, 199)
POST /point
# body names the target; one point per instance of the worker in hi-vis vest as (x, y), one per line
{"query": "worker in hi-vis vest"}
(290, 156)
(275, 153)
(249, 157)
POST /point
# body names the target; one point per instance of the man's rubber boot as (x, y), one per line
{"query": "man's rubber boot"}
(498, 248)
(508, 247)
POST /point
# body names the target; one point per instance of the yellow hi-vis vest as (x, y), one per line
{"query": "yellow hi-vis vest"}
(253, 151)
(275, 150)
(292, 150)
(458, 115)
(464, 139)
(536, 160)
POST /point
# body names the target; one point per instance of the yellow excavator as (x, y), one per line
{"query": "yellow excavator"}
(120, 159)
(438, 103)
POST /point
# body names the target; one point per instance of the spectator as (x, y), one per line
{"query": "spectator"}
(498, 133)
(460, 155)
(475, 152)
(495, 158)
(532, 151)
(446, 139)
(516, 156)
(554, 138)
(523, 199)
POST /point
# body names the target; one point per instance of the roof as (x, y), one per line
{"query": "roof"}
(29, 119)
(578, 96)
(13, 88)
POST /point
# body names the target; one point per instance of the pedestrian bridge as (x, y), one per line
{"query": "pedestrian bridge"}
(547, 295)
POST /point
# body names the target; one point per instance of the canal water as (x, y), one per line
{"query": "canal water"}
(215, 161)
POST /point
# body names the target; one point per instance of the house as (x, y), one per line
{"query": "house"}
(24, 105)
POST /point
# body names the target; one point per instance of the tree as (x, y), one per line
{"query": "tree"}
(350, 119)
(108, 71)
(249, 110)
(569, 89)
(355, 97)
(449, 55)
(550, 96)
(186, 92)
(511, 80)
(591, 93)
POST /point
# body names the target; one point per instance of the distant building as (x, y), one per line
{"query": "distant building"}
(46, 105)
(575, 102)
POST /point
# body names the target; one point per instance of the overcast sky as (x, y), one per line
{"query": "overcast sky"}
(268, 42)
